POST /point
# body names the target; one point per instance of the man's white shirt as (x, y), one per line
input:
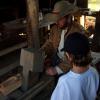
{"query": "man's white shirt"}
(61, 53)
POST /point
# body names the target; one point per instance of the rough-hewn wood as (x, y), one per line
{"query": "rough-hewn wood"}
(32, 18)
(32, 61)
(13, 48)
(10, 84)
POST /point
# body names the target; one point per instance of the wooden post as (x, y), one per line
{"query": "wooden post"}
(32, 57)
(96, 39)
(33, 21)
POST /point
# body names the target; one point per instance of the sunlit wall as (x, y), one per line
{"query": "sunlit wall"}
(94, 5)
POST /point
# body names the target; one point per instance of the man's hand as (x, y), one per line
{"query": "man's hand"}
(51, 71)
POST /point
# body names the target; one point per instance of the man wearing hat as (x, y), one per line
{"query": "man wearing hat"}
(62, 26)
(82, 81)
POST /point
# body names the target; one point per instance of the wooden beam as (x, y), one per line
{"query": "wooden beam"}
(13, 48)
(33, 23)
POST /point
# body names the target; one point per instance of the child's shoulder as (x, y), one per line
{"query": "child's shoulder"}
(64, 77)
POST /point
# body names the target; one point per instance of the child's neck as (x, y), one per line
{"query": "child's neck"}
(78, 69)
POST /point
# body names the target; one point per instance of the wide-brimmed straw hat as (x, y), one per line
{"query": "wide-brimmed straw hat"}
(61, 9)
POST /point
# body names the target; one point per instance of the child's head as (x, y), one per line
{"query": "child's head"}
(77, 49)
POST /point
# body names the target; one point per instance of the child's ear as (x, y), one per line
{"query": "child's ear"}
(69, 56)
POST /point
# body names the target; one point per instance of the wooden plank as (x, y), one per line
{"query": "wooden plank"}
(13, 48)
(9, 68)
(11, 84)
(31, 93)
